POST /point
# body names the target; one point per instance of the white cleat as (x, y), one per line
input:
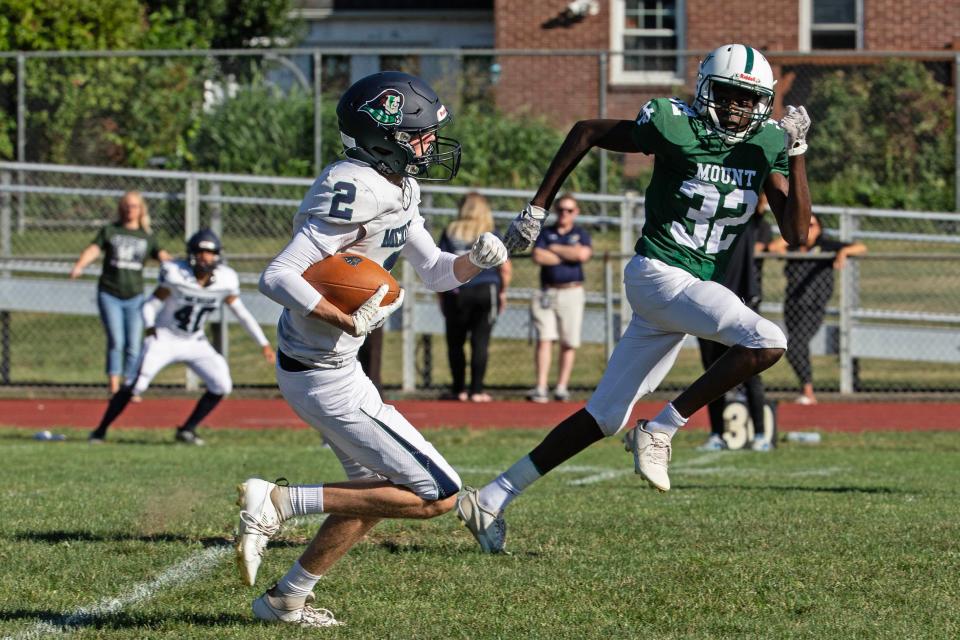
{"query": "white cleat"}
(761, 444)
(490, 529)
(259, 520)
(274, 606)
(651, 456)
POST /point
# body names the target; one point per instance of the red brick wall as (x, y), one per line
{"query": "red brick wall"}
(910, 25)
(565, 88)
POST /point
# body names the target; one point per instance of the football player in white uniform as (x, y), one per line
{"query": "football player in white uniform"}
(366, 204)
(712, 161)
(188, 292)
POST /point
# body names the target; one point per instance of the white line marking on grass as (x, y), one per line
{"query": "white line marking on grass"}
(180, 573)
(600, 477)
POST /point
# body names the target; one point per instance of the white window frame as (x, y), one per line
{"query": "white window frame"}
(618, 31)
(806, 25)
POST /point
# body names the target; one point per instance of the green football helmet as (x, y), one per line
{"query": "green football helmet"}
(380, 114)
(738, 68)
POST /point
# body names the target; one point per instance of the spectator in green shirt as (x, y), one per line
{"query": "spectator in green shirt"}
(126, 244)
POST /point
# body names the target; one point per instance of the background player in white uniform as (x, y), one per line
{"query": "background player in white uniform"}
(188, 292)
(367, 204)
(712, 161)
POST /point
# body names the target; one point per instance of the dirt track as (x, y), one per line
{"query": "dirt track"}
(269, 414)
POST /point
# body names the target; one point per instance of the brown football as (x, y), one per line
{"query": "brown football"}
(348, 280)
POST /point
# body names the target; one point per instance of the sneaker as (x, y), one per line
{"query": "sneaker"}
(761, 444)
(259, 520)
(560, 394)
(274, 606)
(538, 395)
(490, 529)
(651, 455)
(714, 443)
(96, 438)
(189, 437)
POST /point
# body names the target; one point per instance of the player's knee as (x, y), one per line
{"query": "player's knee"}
(435, 508)
(766, 358)
(222, 388)
(609, 419)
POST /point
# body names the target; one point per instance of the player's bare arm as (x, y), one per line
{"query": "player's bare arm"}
(790, 201)
(612, 135)
(327, 312)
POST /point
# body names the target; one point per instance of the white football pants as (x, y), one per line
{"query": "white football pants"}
(668, 303)
(196, 352)
(372, 440)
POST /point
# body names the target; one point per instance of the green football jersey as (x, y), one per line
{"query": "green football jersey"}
(703, 190)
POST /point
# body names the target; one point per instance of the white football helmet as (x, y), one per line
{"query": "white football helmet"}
(739, 66)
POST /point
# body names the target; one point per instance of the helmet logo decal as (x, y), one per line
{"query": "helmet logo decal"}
(441, 113)
(386, 108)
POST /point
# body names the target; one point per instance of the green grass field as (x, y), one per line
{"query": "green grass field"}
(853, 538)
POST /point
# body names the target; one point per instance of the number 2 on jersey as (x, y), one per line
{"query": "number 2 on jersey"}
(712, 203)
(344, 193)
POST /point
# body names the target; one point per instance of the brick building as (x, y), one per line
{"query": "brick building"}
(572, 85)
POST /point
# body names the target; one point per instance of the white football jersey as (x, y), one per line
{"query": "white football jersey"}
(186, 309)
(349, 208)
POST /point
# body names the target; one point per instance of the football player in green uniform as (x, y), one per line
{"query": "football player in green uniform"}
(711, 161)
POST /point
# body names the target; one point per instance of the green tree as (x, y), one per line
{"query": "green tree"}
(120, 110)
(882, 137)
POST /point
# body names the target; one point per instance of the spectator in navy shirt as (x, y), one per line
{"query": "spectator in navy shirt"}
(557, 311)
(472, 308)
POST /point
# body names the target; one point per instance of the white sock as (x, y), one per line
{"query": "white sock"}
(667, 421)
(306, 499)
(298, 582)
(508, 485)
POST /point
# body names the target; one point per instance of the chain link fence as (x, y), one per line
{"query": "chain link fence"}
(889, 323)
(883, 145)
(884, 132)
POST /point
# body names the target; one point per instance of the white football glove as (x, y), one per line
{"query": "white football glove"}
(525, 228)
(488, 251)
(371, 315)
(795, 126)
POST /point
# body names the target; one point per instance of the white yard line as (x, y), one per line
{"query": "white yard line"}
(180, 573)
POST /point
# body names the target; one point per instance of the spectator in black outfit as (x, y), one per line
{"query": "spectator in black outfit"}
(471, 309)
(744, 277)
(809, 288)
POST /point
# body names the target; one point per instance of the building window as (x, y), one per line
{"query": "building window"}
(642, 28)
(831, 24)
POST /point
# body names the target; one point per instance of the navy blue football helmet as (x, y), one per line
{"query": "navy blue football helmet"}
(203, 240)
(380, 114)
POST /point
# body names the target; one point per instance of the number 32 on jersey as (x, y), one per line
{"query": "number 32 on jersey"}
(711, 207)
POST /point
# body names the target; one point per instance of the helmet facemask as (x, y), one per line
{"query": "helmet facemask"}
(439, 160)
(739, 123)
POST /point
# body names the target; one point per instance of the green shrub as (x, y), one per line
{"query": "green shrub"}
(883, 137)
